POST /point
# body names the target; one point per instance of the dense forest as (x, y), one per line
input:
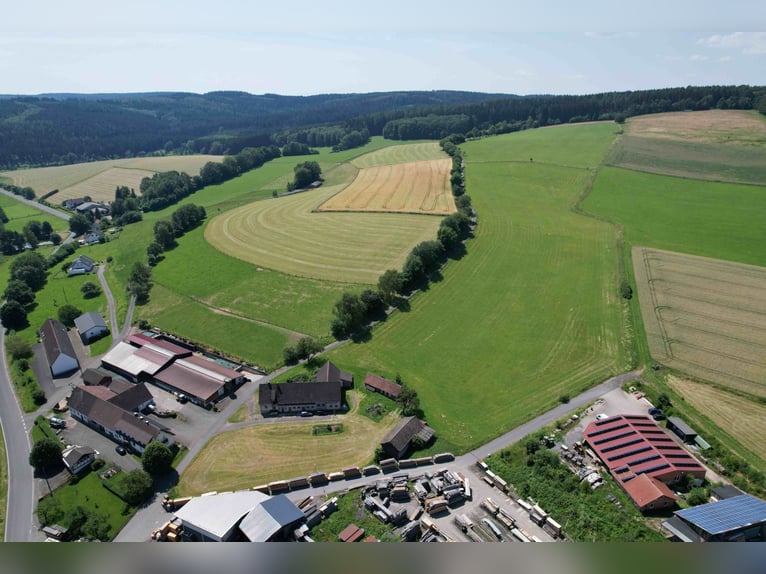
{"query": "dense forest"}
(68, 128)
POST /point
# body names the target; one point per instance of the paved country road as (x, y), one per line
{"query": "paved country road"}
(36, 205)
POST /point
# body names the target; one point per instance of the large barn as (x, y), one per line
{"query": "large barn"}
(59, 351)
(294, 398)
(735, 519)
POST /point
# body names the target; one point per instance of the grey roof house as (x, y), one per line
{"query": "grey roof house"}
(58, 348)
(80, 266)
(293, 398)
(329, 373)
(91, 327)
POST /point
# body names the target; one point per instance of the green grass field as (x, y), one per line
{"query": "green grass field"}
(530, 313)
(697, 160)
(20, 213)
(719, 220)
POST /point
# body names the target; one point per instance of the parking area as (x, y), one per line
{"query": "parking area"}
(80, 434)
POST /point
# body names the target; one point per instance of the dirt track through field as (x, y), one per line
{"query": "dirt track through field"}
(704, 316)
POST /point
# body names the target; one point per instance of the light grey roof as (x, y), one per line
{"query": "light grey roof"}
(88, 321)
(726, 515)
(682, 530)
(269, 517)
(219, 513)
(56, 341)
(682, 426)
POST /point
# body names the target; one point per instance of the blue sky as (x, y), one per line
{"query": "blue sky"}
(302, 48)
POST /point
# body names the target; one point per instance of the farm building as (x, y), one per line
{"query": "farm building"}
(112, 414)
(329, 373)
(291, 398)
(97, 209)
(398, 440)
(172, 368)
(96, 377)
(81, 266)
(247, 515)
(724, 492)
(684, 431)
(78, 458)
(378, 384)
(74, 202)
(649, 493)
(58, 348)
(91, 238)
(91, 327)
(634, 445)
(740, 518)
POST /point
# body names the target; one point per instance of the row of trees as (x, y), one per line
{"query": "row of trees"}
(28, 274)
(166, 188)
(427, 127)
(183, 219)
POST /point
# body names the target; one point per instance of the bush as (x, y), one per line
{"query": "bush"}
(98, 464)
(38, 396)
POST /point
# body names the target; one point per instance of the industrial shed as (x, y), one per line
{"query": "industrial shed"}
(58, 348)
(632, 445)
(247, 515)
(200, 380)
(736, 519)
(135, 363)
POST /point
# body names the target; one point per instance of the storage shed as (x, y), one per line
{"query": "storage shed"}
(58, 348)
(683, 430)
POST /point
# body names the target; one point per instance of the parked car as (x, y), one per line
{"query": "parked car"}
(121, 450)
(601, 416)
(56, 422)
(306, 414)
(654, 410)
(658, 416)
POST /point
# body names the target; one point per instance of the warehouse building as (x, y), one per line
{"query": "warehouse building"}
(738, 519)
(296, 398)
(634, 445)
(59, 351)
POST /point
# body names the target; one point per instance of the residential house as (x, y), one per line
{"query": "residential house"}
(383, 386)
(91, 238)
(74, 202)
(91, 327)
(294, 398)
(58, 348)
(398, 441)
(329, 373)
(81, 266)
(78, 458)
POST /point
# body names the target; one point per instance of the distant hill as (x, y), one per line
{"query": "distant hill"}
(66, 128)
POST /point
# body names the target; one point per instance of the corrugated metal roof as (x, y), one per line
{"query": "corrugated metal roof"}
(726, 515)
(189, 381)
(682, 426)
(219, 513)
(269, 517)
(134, 361)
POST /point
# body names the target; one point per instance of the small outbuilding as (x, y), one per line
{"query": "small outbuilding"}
(397, 442)
(78, 458)
(91, 327)
(58, 348)
(683, 430)
(378, 384)
(329, 373)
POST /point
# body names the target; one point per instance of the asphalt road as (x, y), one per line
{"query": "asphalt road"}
(21, 482)
(115, 328)
(40, 206)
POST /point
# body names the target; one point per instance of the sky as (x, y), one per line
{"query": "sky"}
(332, 46)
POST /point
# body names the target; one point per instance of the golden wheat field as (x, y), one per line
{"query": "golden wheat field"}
(705, 317)
(743, 419)
(66, 177)
(706, 126)
(415, 187)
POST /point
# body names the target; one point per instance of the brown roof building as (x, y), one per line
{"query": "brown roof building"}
(398, 441)
(292, 398)
(96, 377)
(634, 445)
(351, 533)
(383, 386)
(58, 348)
(101, 409)
(329, 373)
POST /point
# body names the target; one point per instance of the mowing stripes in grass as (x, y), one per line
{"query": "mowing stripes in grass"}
(400, 154)
(286, 235)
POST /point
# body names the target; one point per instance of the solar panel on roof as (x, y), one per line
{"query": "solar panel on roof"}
(726, 515)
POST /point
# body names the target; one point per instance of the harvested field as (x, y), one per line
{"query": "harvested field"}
(101, 186)
(260, 454)
(706, 317)
(45, 179)
(288, 235)
(742, 418)
(416, 187)
(400, 154)
(707, 126)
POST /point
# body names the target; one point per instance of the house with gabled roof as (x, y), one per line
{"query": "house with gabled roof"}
(329, 373)
(398, 441)
(59, 351)
(378, 384)
(294, 398)
(91, 326)
(80, 266)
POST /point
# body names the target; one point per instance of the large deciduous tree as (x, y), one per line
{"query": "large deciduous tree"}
(156, 458)
(45, 454)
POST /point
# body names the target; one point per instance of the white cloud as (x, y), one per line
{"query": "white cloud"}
(750, 43)
(698, 58)
(724, 59)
